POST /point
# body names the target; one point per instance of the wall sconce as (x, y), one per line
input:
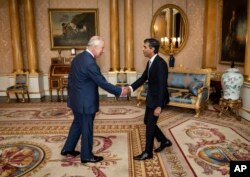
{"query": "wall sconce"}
(73, 51)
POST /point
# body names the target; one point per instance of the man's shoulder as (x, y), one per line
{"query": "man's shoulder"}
(84, 57)
(160, 59)
(84, 54)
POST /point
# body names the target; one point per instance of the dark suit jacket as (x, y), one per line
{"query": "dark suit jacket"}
(157, 94)
(84, 78)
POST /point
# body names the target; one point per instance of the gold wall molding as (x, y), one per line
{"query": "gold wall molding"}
(16, 36)
(210, 23)
(114, 36)
(30, 32)
(129, 36)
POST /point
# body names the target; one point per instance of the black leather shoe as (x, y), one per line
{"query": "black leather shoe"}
(143, 156)
(72, 153)
(167, 143)
(94, 159)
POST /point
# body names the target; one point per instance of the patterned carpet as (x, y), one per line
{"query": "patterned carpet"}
(32, 135)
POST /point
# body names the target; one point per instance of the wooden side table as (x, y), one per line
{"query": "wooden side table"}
(64, 85)
(215, 86)
(230, 105)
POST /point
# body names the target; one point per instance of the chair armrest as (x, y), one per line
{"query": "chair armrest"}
(202, 89)
(203, 95)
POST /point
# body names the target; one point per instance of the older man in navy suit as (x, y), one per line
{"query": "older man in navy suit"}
(83, 98)
(156, 73)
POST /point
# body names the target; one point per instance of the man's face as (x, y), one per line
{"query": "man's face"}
(147, 51)
(98, 50)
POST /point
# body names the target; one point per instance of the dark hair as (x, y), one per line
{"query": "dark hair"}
(153, 43)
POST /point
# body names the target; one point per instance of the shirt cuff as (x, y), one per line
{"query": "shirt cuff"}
(131, 88)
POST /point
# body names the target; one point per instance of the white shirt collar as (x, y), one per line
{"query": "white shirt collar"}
(152, 59)
(90, 52)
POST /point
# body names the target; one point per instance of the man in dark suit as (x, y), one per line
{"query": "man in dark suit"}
(83, 98)
(156, 73)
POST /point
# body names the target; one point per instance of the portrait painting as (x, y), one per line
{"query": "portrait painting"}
(234, 30)
(72, 28)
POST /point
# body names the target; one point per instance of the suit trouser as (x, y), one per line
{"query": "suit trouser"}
(152, 130)
(81, 125)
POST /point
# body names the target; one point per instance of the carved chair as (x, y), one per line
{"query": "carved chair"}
(20, 87)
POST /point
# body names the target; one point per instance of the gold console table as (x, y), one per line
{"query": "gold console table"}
(230, 105)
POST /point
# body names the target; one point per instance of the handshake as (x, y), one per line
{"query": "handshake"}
(125, 91)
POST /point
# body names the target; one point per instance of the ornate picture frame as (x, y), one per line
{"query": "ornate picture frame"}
(233, 32)
(72, 28)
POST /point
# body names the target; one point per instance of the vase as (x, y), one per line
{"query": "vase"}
(231, 81)
(171, 60)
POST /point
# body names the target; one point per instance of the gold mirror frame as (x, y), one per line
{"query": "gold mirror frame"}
(159, 28)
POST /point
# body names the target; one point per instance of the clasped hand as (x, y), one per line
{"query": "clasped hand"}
(125, 91)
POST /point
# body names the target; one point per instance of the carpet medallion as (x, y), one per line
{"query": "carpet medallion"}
(18, 159)
(206, 145)
(40, 155)
(32, 137)
(209, 146)
(33, 134)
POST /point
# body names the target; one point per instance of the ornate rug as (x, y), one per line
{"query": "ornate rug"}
(33, 134)
(206, 144)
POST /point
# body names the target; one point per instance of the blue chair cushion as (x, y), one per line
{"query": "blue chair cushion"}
(181, 96)
(194, 87)
(183, 80)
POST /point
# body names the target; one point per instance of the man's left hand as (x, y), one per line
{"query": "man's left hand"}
(157, 111)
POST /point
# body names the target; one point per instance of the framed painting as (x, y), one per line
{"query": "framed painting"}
(234, 31)
(121, 78)
(72, 28)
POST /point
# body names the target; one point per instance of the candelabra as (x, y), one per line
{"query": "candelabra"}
(169, 45)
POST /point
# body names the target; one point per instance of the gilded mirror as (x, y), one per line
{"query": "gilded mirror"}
(170, 27)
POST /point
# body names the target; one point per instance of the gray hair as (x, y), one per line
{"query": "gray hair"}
(95, 41)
